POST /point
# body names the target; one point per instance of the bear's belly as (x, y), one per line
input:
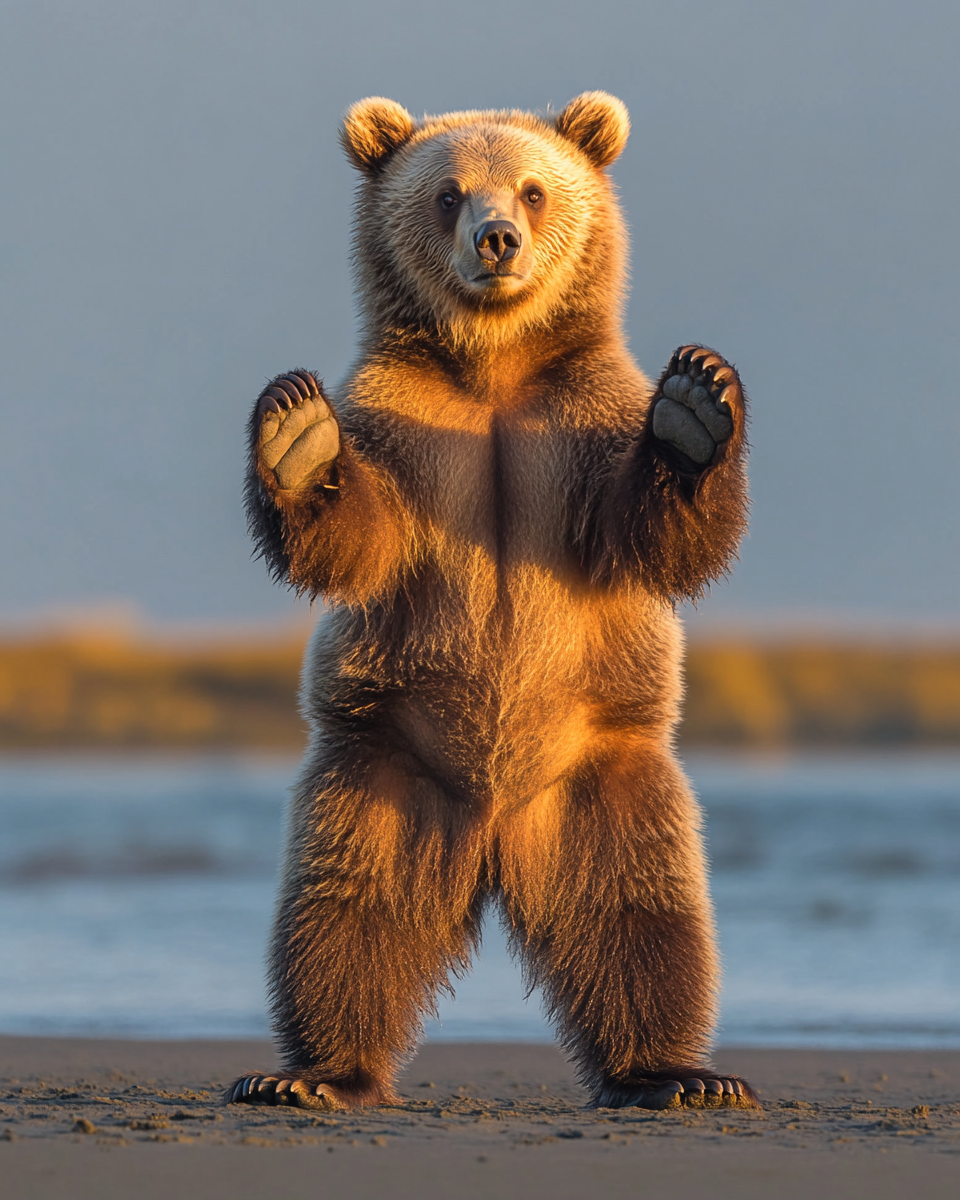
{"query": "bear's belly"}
(504, 692)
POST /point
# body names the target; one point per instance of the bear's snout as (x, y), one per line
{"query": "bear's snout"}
(498, 241)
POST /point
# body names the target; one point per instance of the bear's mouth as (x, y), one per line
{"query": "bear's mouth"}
(498, 275)
(498, 287)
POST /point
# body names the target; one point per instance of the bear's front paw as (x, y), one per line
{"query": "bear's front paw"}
(696, 405)
(297, 431)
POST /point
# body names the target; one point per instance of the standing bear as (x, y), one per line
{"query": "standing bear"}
(502, 514)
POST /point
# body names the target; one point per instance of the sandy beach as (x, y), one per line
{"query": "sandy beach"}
(96, 1118)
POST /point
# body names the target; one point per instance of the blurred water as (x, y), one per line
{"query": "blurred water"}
(135, 899)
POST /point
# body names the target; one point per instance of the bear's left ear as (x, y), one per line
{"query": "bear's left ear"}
(598, 124)
(372, 130)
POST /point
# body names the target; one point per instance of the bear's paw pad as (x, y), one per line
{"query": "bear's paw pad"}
(697, 398)
(297, 431)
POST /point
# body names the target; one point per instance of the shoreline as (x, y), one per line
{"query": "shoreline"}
(98, 1117)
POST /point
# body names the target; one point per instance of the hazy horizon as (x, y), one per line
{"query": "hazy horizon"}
(175, 231)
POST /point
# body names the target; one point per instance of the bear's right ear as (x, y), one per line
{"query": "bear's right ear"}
(598, 124)
(372, 130)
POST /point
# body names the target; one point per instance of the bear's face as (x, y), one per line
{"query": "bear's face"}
(486, 222)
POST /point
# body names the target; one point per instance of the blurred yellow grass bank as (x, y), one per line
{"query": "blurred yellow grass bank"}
(76, 689)
(808, 692)
(97, 690)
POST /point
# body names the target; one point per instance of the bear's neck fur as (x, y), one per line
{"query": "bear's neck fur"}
(493, 352)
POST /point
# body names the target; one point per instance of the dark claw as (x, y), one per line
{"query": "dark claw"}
(290, 389)
(301, 385)
(723, 374)
(307, 380)
(668, 1095)
(277, 393)
(268, 404)
(694, 1094)
(729, 394)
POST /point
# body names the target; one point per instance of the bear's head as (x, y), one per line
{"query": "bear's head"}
(483, 225)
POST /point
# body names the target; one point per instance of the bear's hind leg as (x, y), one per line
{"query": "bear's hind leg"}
(380, 900)
(605, 889)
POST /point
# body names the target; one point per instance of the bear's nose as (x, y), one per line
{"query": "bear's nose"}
(497, 241)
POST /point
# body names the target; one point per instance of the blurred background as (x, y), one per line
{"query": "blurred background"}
(174, 229)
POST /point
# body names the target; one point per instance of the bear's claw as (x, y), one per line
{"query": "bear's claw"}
(287, 390)
(283, 1090)
(695, 403)
(702, 1091)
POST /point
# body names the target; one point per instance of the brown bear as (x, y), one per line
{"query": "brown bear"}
(502, 514)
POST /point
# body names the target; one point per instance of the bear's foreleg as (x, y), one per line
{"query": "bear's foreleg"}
(675, 506)
(380, 901)
(324, 518)
(605, 889)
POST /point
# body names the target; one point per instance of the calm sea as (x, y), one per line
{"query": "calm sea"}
(135, 900)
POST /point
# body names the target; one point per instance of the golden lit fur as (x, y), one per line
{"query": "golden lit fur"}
(494, 689)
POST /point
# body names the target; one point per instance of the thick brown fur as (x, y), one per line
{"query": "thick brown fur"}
(494, 690)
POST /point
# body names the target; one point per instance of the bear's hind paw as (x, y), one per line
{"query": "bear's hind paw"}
(703, 1090)
(283, 1090)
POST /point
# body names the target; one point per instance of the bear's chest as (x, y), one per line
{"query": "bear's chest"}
(493, 483)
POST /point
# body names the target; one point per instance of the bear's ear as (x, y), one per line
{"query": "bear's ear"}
(372, 130)
(598, 124)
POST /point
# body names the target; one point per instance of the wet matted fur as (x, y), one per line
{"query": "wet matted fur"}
(501, 538)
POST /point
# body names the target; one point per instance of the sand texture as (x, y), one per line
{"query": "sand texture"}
(89, 1118)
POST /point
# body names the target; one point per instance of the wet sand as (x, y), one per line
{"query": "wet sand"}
(94, 1118)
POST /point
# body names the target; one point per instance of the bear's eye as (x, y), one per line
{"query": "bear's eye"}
(448, 201)
(533, 197)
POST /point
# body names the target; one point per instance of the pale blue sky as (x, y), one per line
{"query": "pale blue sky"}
(175, 222)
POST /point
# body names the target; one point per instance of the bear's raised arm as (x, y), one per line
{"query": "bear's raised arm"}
(324, 519)
(675, 504)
